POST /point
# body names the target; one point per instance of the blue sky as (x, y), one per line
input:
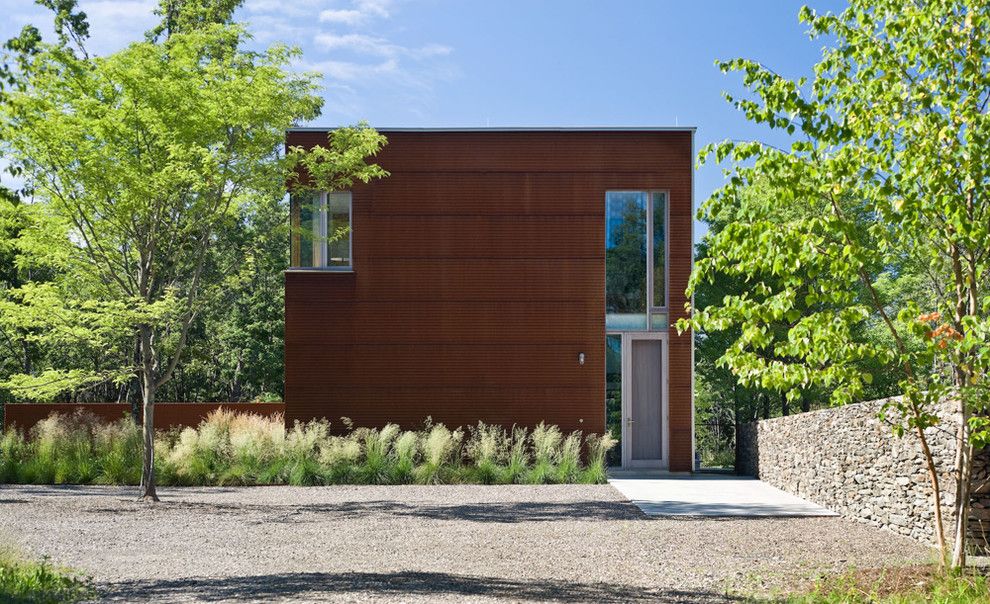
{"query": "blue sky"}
(510, 62)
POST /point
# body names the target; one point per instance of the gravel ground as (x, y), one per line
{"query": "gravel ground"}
(423, 544)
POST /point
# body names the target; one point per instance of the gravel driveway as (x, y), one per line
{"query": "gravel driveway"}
(422, 544)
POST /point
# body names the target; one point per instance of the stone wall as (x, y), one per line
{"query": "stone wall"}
(848, 460)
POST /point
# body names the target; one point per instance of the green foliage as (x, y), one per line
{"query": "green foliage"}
(28, 582)
(337, 165)
(161, 146)
(722, 399)
(882, 188)
(598, 447)
(545, 441)
(247, 449)
(75, 448)
(867, 183)
(939, 588)
(166, 186)
(487, 447)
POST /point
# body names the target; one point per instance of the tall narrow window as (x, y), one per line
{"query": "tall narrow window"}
(321, 230)
(635, 260)
(625, 260)
(659, 255)
(338, 217)
(613, 395)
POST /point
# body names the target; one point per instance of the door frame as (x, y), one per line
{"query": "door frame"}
(627, 366)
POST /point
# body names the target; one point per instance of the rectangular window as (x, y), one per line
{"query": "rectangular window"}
(613, 395)
(635, 260)
(625, 259)
(338, 217)
(321, 230)
(659, 254)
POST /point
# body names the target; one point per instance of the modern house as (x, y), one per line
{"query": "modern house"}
(509, 276)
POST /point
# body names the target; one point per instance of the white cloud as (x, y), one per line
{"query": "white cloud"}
(370, 45)
(106, 10)
(431, 50)
(351, 71)
(348, 17)
(296, 8)
(113, 24)
(363, 10)
(359, 43)
(360, 58)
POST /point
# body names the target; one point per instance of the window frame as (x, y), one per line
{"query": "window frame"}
(651, 309)
(320, 232)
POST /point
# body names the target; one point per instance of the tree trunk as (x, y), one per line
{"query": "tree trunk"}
(235, 388)
(148, 388)
(735, 425)
(963, 471)
(936, 493)
(785, 407)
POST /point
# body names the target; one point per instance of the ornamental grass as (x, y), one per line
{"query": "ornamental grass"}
(230, 448)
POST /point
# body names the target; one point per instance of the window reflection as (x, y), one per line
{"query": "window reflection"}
(659, 250)
(613, 395)
(321, 230)
(625, 256)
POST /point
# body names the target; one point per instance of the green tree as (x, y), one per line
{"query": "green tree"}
(720, 398)
(889, 160)
(144, 157)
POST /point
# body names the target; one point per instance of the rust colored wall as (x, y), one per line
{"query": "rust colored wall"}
(26, 415)
(479, 276)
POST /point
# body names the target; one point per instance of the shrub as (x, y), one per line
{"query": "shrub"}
(487, 447)
(406, 450)
(302, 446)
(340, 456)
(439, 446)
(569, 459)
(39, 582)
(546, 451)
(378, 460)
(518, 458)
(598, 448)
(244, 449)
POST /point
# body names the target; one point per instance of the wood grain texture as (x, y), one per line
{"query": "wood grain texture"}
(479, 276)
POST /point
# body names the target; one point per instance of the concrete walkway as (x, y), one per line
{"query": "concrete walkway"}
(710, 495)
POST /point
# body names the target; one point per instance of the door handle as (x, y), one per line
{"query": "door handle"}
(630, 421)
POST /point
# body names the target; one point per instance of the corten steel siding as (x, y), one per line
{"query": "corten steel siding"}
(479, 276)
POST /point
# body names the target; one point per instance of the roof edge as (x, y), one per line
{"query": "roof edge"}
(518, 129)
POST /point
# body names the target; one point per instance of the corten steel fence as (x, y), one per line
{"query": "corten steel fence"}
(167, 415)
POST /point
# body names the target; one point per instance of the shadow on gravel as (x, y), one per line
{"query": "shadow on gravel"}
(512, 512)
(317, 586)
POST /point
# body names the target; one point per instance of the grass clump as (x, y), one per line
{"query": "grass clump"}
(905, 585)
(26, 581)
(230, 448)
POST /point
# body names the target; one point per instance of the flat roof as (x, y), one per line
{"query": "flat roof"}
(519, 129)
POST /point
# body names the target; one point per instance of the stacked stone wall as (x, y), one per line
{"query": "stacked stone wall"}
(850, 461)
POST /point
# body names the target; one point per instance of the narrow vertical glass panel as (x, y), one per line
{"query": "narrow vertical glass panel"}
(304, 206)
(625, 258)
(660, 250)
(339, 229)
(659, 320)
(613, 395)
